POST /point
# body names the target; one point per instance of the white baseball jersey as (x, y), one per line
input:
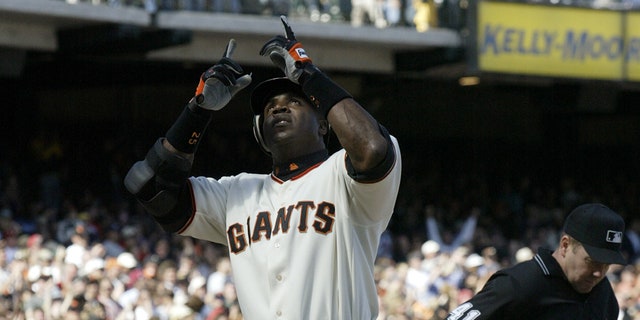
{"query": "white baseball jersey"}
(302, 248)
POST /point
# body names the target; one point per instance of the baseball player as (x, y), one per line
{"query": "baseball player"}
(568, 283)
(302, 240)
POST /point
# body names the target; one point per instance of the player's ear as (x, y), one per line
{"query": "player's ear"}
(324, 126)
(565, 244)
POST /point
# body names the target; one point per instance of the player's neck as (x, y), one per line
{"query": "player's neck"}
(290, 168)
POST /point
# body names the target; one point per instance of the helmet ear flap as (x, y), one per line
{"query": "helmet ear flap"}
(257, 133)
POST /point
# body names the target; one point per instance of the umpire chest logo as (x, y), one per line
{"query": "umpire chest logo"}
(614, 236)
(310, 217)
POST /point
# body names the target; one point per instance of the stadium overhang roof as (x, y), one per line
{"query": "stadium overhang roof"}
(56, 26)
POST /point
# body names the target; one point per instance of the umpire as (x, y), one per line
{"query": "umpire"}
(568, 283)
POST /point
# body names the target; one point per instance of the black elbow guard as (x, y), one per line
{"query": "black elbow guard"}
(158, 180)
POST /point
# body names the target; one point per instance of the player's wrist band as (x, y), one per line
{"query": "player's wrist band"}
(320, 89)
(186, 132)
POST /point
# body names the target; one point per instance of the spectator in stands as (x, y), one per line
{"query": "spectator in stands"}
(93, 308)
(490, 263)
(417, 280)
(78, 250)
(112, 242)
(447, 240)
(392, 12)
(367, 12)
(128, 271)
(105, 296)
(425, 16)
(220, 277)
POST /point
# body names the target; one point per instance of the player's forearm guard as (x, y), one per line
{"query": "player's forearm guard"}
(321, 90)
(161, 169)
(186, 132)
(158, 183)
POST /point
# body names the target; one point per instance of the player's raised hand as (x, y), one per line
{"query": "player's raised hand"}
(221, 82)
(287, 53)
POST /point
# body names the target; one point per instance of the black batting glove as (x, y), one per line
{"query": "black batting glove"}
(287, 53)
(221, 82)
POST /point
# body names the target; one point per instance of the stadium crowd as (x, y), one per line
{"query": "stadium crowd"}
(73, 250)
(421, 14)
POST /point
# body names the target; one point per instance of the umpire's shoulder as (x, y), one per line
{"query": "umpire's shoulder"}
(525, 277)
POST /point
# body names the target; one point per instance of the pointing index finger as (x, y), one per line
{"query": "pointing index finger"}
(228, 51)
(287, 28)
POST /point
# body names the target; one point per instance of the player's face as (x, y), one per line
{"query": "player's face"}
(291, 121)
(582, 272)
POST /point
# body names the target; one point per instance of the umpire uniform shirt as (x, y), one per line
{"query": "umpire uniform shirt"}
(537, 289)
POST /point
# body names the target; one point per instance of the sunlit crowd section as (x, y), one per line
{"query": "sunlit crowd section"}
(420, 14)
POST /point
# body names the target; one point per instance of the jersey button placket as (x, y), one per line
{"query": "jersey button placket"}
(277, 269)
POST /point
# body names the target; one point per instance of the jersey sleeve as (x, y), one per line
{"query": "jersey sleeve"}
(209, 202)
(490, 303)
(375, 200)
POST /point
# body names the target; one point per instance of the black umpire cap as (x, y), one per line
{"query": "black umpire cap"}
(599, 229)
